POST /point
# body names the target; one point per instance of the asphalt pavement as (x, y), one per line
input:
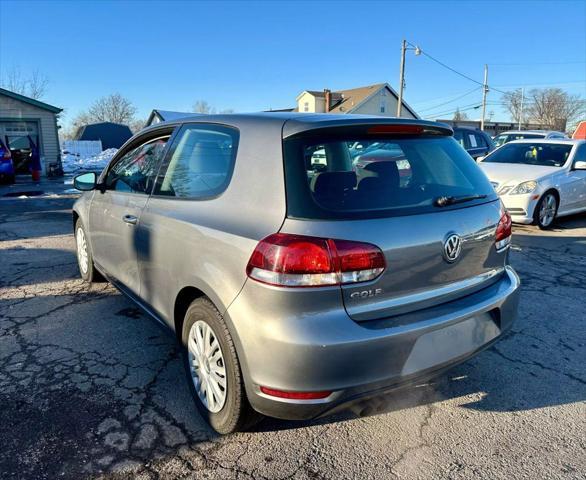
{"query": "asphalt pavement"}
(92, 388)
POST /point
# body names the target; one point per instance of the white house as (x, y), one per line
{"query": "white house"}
(379, 99)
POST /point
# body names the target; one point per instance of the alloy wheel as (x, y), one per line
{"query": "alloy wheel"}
(548, 210)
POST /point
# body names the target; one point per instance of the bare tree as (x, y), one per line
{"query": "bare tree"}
(202, 106)
(112, 108)
(37, 85)
(458, 115)
(554, 107)
(512, 102)
(34, 86)
(550, 107)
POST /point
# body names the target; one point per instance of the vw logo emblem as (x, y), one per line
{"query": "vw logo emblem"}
(452, 248)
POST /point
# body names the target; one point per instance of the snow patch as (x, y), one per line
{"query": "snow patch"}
(74, 163)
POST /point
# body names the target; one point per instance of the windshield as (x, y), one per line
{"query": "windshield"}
(509, 137)
(387, 177)
(542, 154)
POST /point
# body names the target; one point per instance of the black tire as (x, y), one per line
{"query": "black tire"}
(545, 223)
(236, 413)
(90, 274)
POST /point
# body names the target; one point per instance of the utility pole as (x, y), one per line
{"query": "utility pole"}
(521, 109)
(402, 78)
(485, 91)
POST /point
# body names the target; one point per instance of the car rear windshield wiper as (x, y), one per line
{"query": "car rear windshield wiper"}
(445, 201)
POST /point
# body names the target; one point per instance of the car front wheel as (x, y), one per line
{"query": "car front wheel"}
(85, 260)
(213, 370)
(546, 211)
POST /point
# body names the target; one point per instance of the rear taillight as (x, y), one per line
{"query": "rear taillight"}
(6, 155)
(504, 231)
(289, 260)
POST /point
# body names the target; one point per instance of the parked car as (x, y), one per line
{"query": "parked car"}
(539, 180)
(476, 142)
(295, 293)
(513, 135)
(6, 164)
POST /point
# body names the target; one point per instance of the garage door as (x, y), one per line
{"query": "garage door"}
(22, 138)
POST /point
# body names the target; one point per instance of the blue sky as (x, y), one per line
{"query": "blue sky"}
(251, 56)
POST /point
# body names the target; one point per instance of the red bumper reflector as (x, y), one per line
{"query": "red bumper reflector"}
(294, 395)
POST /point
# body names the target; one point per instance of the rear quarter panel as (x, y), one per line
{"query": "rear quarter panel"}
(206, 244)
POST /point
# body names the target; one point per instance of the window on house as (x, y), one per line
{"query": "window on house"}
(382, 109)
(306, 107)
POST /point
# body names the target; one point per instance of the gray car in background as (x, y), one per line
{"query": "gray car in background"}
(298, 287)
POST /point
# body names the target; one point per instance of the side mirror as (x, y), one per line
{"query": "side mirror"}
(580, 165)
(85, 181)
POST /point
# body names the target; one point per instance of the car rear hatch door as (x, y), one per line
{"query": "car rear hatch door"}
(426, 206)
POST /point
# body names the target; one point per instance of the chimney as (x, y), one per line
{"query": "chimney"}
(328, 99)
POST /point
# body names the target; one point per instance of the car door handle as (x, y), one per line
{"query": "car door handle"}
(130, 219)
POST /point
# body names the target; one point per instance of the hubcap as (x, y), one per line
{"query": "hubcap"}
(206, 362)
(547, 210)
(82, 255)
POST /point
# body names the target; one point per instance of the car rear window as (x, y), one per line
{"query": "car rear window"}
(330, 178)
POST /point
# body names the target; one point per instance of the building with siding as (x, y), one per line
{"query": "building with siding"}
(379, 99)
(28, 125)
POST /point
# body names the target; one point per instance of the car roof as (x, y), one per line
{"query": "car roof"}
(558, 141)
(543, 132)
(293, 122)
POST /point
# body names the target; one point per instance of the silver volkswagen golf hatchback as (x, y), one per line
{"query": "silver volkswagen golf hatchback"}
(305, 262)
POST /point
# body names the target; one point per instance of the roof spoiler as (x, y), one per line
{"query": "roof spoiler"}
(393, 127)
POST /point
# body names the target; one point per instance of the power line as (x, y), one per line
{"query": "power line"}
(475, 89)
(457, 72)
(465, 108)
(535, 63)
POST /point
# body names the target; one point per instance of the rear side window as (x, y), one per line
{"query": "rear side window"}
(200, 163)
(387, 178)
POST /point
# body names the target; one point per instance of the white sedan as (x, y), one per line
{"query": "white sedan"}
(539, 180)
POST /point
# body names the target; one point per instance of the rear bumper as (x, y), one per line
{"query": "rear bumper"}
(329, 351)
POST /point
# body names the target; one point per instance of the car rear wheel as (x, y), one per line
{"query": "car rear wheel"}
(546, 210)
(213, 370)
(85, 260)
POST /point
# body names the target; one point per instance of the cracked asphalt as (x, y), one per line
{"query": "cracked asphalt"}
(91, 388)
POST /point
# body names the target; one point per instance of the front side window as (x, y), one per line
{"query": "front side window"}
(201, 162)
(135, 172)
(544, 154)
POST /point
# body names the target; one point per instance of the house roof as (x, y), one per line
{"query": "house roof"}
(30, 101)
(345, 101)
(112, 135)
(167, 115)
(353, 97)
